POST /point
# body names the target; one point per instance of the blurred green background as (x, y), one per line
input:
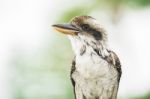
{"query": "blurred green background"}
(36, 61)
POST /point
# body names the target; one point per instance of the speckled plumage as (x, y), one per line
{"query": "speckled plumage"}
(94, 77)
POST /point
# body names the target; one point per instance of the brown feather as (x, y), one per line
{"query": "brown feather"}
(73, 68)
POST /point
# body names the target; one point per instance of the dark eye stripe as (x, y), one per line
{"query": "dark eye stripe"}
(96, 34)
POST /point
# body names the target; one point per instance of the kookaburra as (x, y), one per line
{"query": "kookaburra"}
(96, 70)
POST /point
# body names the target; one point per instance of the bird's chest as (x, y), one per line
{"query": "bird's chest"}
(94, 72)
(91, 65)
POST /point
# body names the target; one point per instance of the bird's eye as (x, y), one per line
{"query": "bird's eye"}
(85, 27)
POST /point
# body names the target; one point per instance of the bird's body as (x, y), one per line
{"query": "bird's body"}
(96, 70)
(94, 76)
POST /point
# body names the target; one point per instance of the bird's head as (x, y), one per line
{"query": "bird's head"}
(83, 29)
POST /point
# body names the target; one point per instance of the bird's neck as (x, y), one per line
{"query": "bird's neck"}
(80, 47)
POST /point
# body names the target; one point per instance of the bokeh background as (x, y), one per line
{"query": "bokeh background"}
(35, 61)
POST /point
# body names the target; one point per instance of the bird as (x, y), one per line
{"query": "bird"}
(96, 69)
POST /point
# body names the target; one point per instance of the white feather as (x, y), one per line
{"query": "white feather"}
(92, 71)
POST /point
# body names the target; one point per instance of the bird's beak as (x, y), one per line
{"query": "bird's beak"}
(66, 29)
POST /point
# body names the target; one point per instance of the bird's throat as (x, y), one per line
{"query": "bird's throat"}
(81, 47)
